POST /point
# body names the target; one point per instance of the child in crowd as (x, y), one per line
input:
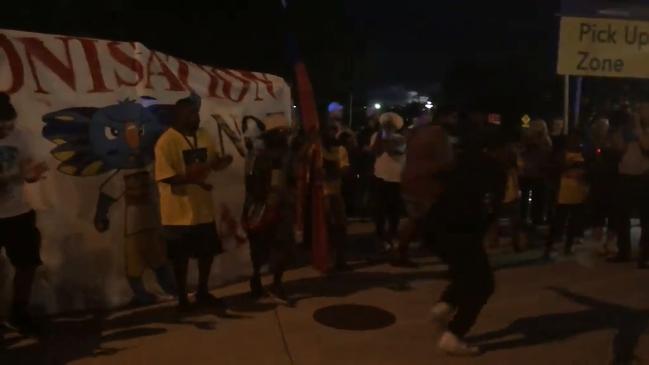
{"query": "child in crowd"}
(573, 192)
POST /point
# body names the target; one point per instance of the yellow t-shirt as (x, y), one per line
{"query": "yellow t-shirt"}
(336, 159)
(572, 190)
(185, 205)
(512, 190)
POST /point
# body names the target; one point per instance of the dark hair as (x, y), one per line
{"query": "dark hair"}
(445, 110)
(7, 111)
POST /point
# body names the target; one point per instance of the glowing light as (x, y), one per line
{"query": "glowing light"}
(429, 106)
(377, 106)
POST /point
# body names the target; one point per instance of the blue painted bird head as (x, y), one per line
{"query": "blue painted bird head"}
(91, 141)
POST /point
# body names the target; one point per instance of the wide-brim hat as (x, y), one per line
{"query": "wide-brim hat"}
(391, 117)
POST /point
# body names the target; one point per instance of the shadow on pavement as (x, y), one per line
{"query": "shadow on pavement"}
(629, 323)
(64, 340)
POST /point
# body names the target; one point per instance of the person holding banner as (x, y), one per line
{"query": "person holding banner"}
(184, 157)
(19, 235)
(269, 211)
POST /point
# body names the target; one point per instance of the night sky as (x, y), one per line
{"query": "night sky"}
(347, 45)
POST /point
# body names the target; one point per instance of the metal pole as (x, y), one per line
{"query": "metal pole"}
(577, 102)
(566, 103)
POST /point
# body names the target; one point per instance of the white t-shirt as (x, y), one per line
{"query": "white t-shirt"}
(13, 151)
(386, 167)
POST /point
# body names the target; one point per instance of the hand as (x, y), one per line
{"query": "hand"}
(222, 162)
(197, 173)
(34, 172)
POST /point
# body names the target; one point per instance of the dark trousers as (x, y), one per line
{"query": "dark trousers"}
(336, 225)
(387, 200)
(632, 196)
(567, 218)
(537, 187)
(601, 200)
(471, 278)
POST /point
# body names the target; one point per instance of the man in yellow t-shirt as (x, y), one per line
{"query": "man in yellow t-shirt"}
(184, 157)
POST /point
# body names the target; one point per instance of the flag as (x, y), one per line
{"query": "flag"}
(313, 159)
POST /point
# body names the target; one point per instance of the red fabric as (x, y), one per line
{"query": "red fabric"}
(309, 114)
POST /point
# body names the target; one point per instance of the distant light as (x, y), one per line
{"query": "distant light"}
(294, 106)
(429, 106)
(429, 103)
(377, 106)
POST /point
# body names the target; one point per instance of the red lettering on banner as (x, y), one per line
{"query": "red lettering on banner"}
(92, 57)
(35, 49)
(127, 61)
(165, 71)
(213, 86)
(15, 65)
(227, 86)
(257, 79)
(183, 73)
(218, 76)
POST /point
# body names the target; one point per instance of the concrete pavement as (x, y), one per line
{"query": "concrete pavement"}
(573, 311)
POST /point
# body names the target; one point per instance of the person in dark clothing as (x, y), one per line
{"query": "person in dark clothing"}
(269, 212)
(457, 224)
(633, 188)
(535, 153)
(601, 162)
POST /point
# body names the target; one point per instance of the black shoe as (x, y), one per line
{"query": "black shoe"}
(209, 300)
(183, 306)
(278, 292)
(547, 255)
(22, 323)
(343, 267)
(256, 288)
(618, 259)
(404, 262)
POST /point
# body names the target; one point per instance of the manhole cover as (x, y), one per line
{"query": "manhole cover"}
(354, 317)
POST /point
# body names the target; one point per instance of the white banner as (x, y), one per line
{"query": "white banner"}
(91, 78)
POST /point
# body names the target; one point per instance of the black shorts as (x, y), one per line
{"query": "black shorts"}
(21, 239)
(197, 241)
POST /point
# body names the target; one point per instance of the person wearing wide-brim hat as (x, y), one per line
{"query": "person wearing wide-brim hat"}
(268, 216)
(389, 148)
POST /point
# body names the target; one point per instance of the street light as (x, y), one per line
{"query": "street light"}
(377, 106)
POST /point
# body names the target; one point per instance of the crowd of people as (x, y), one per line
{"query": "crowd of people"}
(451, 173)
(459, 175)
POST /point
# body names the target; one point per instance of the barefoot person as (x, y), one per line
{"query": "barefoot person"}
(19, 235)
(184, 157)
